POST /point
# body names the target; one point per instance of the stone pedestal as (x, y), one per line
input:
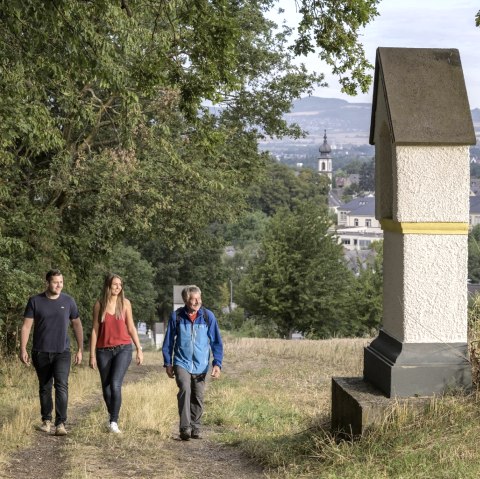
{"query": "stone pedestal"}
(416, 369)
(357, 405)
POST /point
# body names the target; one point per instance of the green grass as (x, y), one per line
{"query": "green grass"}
(277, 409)
(273, 401)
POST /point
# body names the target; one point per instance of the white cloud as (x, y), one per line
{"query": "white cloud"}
(415, 24)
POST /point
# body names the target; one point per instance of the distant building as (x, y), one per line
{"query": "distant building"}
(325, 159)
(474, 217)
(357, 225)
(334, 202)
(358, 212)
(354, 178)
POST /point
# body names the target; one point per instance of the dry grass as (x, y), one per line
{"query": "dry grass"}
(273, 402)
(19, 405)
(147, 417)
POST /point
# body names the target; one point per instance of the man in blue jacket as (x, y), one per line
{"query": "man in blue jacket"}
(191, 333)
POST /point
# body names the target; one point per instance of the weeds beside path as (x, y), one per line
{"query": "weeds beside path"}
(148, 448)
(48, 455)
(271, 407)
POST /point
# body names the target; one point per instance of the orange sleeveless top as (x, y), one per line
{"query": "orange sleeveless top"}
(112, 332)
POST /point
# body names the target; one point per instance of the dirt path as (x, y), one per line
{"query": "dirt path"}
(48, 455)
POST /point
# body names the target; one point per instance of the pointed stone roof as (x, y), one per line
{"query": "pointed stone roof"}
(425, 96)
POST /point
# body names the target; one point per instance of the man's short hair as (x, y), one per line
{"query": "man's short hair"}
(188, 291)
(51, 273)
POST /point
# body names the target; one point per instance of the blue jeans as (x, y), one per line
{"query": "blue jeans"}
(113, 364)
(52, 369)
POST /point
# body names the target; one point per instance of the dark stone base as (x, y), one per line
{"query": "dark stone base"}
(357, 405)
(416, 369)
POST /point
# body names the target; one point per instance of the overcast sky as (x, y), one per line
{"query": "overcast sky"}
(418, 24)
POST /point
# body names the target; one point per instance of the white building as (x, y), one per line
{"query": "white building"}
(357, 225)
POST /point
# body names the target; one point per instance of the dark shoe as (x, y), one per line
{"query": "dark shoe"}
(185, 435)
(196, 434)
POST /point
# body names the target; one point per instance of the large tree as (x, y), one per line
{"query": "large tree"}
(299, 280)
(103, 136)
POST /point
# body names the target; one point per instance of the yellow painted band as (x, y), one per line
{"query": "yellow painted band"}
(424, 228)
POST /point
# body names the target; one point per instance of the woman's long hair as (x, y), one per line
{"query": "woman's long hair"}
(107, 293)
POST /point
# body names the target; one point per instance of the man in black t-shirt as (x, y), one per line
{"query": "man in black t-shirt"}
(50, 313)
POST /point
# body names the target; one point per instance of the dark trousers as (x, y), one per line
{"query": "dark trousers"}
(113, 364)
(52, 369)
(191, 389)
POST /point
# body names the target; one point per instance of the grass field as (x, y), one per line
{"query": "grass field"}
(272, 402)
(277, 409)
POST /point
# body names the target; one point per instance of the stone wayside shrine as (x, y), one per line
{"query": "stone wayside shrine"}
(421, 128)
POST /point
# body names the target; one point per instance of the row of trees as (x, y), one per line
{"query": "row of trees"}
(108, 157)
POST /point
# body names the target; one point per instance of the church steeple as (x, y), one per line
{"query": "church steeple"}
(325, 149)
(325, 160)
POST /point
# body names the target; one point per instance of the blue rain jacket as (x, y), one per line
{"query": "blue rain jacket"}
(188, 344)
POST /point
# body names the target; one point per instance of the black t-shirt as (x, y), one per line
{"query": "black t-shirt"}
(51, 318)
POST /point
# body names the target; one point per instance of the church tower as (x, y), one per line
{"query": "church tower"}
(325, 160)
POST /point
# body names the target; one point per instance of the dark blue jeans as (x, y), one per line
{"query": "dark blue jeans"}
(112, 364)
(52, 369)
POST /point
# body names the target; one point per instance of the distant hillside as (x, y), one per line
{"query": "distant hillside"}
(339, 117)
(314, 103)
(347, 124)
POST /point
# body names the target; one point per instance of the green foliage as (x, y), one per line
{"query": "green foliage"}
(333, 26)
(474, 254)
(200, 264)
(299, 280)
(240, 326)
(138, 276)
(367, 176)
(351, 190)
(281, 187)
(245, 230)
(354, 167)
(368, 292)
(103, 135)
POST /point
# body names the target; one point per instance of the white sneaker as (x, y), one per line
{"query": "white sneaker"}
(114, 428)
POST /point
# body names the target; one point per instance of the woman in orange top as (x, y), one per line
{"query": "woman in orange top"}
(113, 331)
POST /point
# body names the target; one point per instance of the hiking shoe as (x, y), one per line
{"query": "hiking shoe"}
(196, 434)
(185, 435)
(60, 430)
(114, 428)
(45, 426)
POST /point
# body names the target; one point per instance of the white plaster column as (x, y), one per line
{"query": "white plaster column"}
(425, 268)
